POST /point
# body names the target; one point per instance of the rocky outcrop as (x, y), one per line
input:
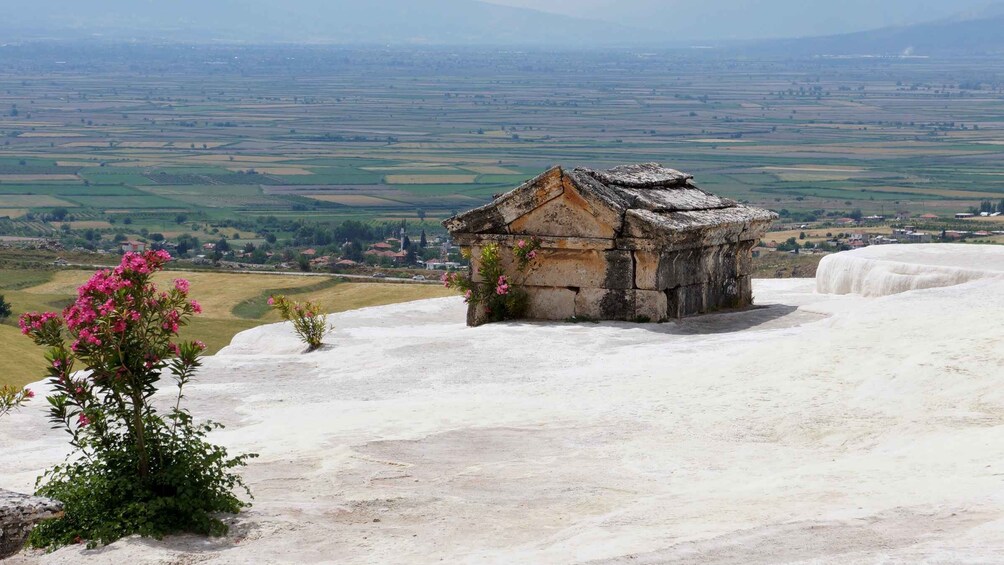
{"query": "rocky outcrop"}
(18, 515)
(881, 270)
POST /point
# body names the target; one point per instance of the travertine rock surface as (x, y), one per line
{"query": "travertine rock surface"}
(880, 270)
(816, 428)
(18, 515)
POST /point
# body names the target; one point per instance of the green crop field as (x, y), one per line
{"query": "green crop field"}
(376, 139)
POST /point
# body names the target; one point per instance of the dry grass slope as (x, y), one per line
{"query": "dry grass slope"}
(218, 293)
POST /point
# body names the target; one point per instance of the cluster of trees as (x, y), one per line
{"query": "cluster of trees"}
(349, 230)
(989, 207)
(792, 244)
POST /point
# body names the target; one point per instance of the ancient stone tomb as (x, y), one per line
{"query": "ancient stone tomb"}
(636, 242)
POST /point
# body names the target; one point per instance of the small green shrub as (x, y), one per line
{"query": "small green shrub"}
(499, 296)
(308, 322)
(132, 469)
(5, 309)
(13, 398)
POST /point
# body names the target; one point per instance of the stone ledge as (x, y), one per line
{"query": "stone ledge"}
(18, 515)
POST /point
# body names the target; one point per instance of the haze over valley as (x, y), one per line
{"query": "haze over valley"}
(584, 282)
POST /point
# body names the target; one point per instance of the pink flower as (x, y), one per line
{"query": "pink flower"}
(33, 321)
(502, 287)
(271, 301)
(531, 255)
(200, 344)
(83, 420)
(28, 393)
(181, 285)
(521, 243)
(196, 307)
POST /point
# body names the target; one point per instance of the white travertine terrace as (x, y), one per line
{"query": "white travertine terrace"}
(818, 428)
(880, 270)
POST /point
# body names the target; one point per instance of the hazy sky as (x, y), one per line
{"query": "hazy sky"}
(459, 22)
(746, 19)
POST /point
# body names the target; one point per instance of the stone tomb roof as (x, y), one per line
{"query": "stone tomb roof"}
(642, 201)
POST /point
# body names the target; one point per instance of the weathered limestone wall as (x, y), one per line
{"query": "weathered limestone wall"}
(18, 515)
(627, 252)
(622, 284)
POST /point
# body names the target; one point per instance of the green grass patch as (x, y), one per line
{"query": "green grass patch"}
(17, 279)
(73, 189)
(22, 361)
(256, 308)
(332, 176)
(127, 201)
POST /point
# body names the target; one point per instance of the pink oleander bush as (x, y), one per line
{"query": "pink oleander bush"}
(133, 469)
(308, 322)
(499, 295)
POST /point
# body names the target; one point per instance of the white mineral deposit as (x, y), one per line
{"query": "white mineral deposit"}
(854, 419)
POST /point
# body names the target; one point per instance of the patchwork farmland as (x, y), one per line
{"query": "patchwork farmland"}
(208, 134)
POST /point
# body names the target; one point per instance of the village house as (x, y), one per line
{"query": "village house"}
(636, 242)
(910, 234)
(132, 246)
(437, 264)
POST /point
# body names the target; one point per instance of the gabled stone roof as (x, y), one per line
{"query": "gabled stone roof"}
(642, 175)
(647, 197)
(650, 186)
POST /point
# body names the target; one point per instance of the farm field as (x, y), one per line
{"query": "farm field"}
(378, 134)
(231, 303)
(156, 144)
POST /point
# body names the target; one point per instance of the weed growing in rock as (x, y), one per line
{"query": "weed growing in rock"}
(497, 294)
(308, 322)
(13, 398)
(133, 470)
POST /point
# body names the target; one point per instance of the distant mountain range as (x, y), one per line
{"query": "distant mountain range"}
(476, 22)
(978, 32)
(369, 22)
(743, 20)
